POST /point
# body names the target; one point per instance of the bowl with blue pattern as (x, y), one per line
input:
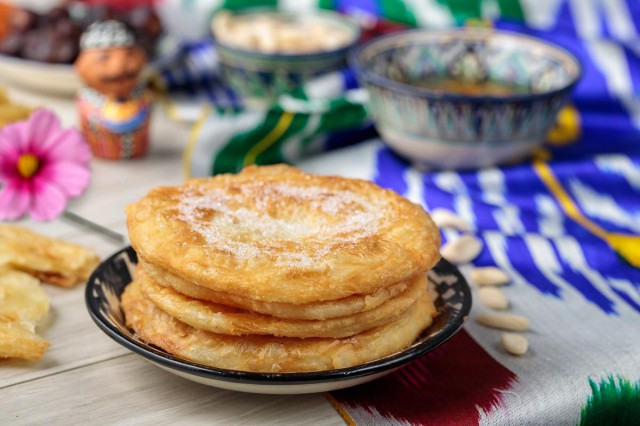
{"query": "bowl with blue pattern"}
(464, 98)
(259, 74)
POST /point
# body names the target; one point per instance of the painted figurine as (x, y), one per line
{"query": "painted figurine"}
(114, 108)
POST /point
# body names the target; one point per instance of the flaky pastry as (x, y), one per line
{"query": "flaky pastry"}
(276, 234)
(23, 304)
(54, 261)
(304, 311)
(267, 353)
(11, 112)
(223, 319)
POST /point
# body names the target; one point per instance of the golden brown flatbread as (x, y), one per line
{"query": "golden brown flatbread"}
(223, 319)
(267, 353)
(275, 234)
(50, 260)
(11, 112)
(23, 304)
(306, 311)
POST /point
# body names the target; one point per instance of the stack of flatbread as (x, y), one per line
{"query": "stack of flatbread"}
(275, 270)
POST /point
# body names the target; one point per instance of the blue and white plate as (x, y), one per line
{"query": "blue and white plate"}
(110, 278)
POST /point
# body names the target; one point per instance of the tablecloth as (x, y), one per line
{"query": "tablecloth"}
(548, 222)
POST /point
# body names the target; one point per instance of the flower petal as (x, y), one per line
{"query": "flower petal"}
(9, 154)
(8, 166)
(43, 125)
(48, 200)
(8, 149)
(18, 137)
(8, 171)
(15, 198)
(66, 145)
(71, 178)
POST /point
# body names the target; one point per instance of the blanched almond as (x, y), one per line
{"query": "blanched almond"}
(489, 275)
(462, 250)
(514, 343)
(493, 298)
(504, 322)
(445, 218)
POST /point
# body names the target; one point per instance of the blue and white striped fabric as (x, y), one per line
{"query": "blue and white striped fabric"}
(523, 226)
(192, 74)
(582, 298)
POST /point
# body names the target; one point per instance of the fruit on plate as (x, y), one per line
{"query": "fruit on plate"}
(53, 37)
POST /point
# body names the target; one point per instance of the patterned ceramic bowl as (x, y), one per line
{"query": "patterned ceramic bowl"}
(464, 98)
(260, 77)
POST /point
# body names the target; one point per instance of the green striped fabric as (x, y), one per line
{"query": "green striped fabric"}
(284, 135)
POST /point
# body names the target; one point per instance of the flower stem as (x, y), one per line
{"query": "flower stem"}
(79, 220)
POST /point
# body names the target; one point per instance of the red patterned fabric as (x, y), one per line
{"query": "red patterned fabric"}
(429, 391)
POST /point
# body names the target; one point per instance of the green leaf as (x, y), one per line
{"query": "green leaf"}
(613, 402)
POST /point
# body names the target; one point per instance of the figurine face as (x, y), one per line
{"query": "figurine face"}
(111, 71)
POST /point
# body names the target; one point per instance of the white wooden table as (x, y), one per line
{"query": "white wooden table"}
(86, 378)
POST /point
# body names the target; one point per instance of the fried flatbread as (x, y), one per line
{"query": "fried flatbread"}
(306, 311)
(11, 112)
(223, 319)
(275, 234)
(267, 353)
(50, 260)
(23, 304)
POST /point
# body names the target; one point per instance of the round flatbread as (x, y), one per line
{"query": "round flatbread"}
(223, 319)
(271, 354)
(305, 311)
(276, 234)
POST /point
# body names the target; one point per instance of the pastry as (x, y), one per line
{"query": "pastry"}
(267, 353)
(23, 305)
(276, 234)
(223, 319)
(304, 311)
(274, 270)
(54, 261)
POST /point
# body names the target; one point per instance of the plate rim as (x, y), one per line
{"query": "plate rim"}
(160, 356)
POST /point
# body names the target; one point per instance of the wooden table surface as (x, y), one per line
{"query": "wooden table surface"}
(85, 378)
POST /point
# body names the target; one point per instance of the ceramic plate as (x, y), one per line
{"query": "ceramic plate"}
(51, 79)
(57, 79)
(110, 278)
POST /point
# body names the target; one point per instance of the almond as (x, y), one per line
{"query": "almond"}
(515, 344)
(462, 250)
(489, 275)
(445, 218)
(504, 322)
(493, 298)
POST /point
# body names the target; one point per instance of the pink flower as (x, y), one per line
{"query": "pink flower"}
(41, 167)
